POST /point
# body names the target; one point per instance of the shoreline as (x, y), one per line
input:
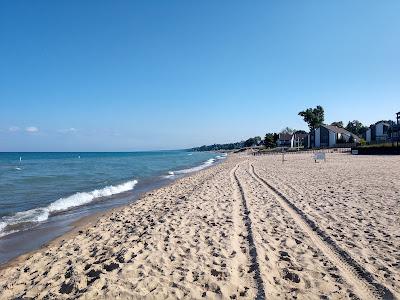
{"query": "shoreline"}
(76, 226)
(84, 221)
(79, 225)
(245, 228)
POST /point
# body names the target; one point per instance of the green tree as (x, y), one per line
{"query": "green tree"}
(356, 127)
(252, 141)
(301, 132)
(314, 117)
(338, 124)
(276, 137)
(288, 130)
(390, 122)
(248, 142)
(269, 140)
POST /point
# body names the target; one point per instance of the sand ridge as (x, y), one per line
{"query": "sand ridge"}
(355, 200)
(362, 280)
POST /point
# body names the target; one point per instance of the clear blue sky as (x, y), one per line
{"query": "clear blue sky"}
(134, 75)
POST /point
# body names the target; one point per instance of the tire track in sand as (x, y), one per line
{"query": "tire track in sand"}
(363, 281)
(254, 265)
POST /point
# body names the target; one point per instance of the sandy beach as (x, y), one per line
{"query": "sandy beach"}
(248, 228)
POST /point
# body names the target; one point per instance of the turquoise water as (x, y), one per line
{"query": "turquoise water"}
(37, 187)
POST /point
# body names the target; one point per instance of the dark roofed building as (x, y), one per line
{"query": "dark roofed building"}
(330, 136)
(284, 140)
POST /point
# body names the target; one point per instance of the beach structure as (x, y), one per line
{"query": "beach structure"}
(284, 140)
(378, 133)
(295, 140)
(331, 136)
(299, 140)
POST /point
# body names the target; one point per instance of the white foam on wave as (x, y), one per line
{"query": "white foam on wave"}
(207, 163)
(221, 156)
(7, 233)
(29, 216)
(79, 199)
(2, 226)
(41, 214)
(170, 175)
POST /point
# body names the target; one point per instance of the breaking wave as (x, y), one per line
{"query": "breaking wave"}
(8, 223)
(207, 163)
(221, 156)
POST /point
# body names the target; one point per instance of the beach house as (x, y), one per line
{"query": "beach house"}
(331, 136)
(378, 133)
(294, 140)
(299, 140)
(284, 140)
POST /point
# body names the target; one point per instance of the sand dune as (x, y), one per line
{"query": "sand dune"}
(249, 228)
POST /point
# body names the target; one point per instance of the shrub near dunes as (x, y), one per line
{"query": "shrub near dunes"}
(382, 149)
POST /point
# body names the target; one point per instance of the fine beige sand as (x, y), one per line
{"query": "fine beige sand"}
(248, 228)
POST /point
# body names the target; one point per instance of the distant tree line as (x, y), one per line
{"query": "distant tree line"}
(314, 117)
(216, 147)
(251, 142)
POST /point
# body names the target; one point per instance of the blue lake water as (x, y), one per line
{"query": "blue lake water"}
(36, 188)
